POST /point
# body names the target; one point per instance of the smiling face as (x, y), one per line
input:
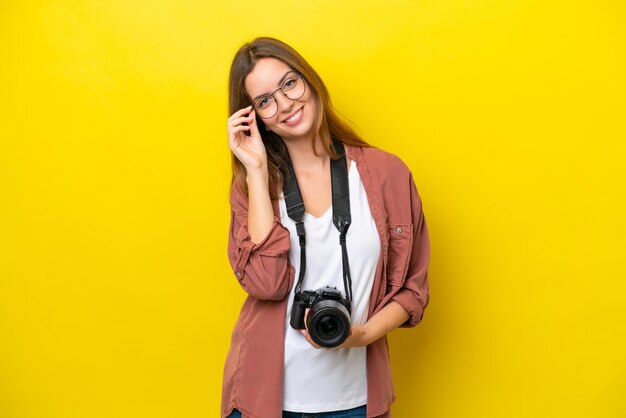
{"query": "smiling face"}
(294, 118)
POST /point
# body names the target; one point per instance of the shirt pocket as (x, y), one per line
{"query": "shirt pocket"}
(400, 243)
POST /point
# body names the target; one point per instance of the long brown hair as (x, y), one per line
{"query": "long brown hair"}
(328, 122)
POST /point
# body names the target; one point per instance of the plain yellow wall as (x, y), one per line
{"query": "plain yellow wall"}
(116, 296)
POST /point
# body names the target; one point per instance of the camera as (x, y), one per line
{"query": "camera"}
(328, 320)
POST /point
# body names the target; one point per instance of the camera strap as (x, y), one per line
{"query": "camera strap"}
(341, 212)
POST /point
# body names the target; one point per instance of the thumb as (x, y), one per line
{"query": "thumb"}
(254, 129)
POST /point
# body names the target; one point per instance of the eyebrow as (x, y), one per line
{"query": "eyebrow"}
(278, 84)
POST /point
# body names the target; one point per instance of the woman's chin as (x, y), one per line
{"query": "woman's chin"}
(300, 133)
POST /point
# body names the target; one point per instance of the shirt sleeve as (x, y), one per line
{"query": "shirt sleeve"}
(415, 292)
(262, 269)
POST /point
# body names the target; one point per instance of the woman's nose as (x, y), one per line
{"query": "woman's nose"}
(284, 103)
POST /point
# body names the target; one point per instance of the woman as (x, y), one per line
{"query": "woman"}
(280, 115)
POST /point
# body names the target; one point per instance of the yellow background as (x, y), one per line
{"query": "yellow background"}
(116, 296)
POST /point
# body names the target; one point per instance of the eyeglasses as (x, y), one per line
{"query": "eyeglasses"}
(292, 88)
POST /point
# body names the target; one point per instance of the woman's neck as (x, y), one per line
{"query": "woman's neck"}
(304, 159)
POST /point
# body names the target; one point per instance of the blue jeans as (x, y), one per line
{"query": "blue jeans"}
(358, 412)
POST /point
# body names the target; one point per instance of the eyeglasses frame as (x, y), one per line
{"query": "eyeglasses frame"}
(281, 88)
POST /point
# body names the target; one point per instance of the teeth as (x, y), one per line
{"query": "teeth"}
(294, 117)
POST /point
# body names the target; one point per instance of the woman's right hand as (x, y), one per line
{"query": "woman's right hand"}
(250, 150)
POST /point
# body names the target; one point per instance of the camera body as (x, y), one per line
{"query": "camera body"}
(328, 320)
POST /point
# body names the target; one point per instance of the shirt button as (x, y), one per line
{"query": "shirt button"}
(238, 274)
(398, 230)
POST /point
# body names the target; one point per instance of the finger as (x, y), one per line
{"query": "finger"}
(255, 128)
(306, 313)
(240, 120)
(238, 128)
(240, 112)
(234, 136)
(308, 338)
(237, 141)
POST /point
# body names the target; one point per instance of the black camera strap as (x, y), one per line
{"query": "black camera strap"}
(341, 212)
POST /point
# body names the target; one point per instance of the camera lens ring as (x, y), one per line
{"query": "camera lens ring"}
(328, 323)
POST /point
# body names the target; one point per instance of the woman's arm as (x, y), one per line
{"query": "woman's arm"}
(258, 245)
(387, 319)
(415, 292)
(260, 211)
(262, 268)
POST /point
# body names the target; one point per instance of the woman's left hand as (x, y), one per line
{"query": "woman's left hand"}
(356, 337)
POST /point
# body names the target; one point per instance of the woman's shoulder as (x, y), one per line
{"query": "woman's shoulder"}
(392, 181)
(383, 161)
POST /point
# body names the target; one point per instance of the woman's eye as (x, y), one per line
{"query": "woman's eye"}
(289, 84)
(263, 102)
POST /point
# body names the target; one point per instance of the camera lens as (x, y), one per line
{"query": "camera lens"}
(327, 326)
(328, 323)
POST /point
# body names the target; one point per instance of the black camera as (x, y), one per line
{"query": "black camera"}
(328, 320)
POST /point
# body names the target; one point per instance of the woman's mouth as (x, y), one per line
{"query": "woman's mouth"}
(295, 118)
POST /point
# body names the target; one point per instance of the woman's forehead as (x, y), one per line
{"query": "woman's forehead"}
(265, 76)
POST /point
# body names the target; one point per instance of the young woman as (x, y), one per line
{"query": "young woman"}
(281, 115)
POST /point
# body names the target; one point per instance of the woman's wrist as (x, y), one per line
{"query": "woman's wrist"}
(257, 172)
(366, 337)
(387, 319)
(257, 179)
(359, 337)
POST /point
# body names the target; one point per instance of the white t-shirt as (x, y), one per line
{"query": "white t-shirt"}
(330, 380)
